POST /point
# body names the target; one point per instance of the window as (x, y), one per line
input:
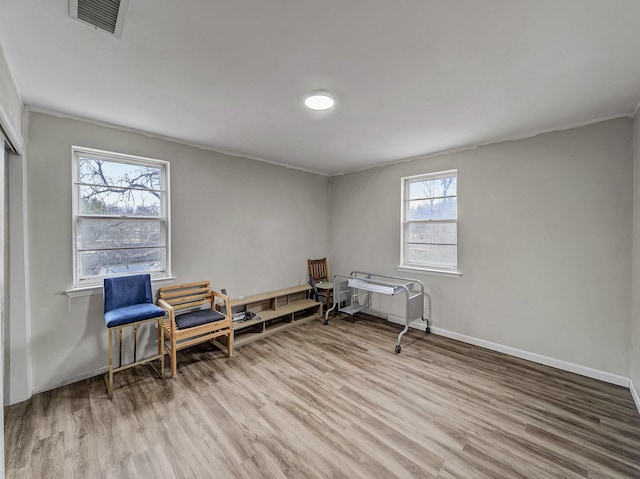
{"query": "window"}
(430, 221)
(120, 216)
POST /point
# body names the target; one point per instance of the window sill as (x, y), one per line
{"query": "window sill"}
(97, 288)
(431, 271)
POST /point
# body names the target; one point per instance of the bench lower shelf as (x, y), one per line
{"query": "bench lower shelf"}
(248, 336)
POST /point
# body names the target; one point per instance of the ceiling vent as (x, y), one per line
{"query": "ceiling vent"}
(106, 15)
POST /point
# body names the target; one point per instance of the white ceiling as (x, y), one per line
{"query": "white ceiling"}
(412, 77)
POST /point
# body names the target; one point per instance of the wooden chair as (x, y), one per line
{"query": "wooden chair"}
(319, 274)
(128, 302)
(194, 317)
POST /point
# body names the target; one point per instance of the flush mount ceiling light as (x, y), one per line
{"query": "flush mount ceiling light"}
(319, 100)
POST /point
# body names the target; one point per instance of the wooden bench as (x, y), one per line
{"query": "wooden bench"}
(273, 312)
(193, 317)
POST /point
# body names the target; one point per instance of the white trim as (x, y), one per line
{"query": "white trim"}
(14, 137)
(475, 146)
(75, 379)
(518, 353)
(178, 141)
(405, 181)
(634, 394)
(436, 175)
(20, 305)
(79, 292)
(18, 399)
(97, 289)
(115, 157)
(212, 148)
(431, 271)
(418, 324)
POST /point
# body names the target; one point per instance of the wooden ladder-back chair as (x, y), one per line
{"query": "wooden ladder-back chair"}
(320, 280)
(194, 317)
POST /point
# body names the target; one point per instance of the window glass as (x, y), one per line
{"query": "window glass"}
(437, 188)
(120, 215)
(430, 221)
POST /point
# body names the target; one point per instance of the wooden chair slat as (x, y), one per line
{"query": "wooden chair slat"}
(184, 299)
(183, 292)
(190, 304)
(319, 268)
(186, 285)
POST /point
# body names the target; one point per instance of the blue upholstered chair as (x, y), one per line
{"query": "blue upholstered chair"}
(128, 301)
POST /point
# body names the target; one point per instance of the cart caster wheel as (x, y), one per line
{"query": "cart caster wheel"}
(428, 330)
(325, 322)
(398, 348)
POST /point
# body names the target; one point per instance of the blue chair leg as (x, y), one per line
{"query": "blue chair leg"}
(159, 356)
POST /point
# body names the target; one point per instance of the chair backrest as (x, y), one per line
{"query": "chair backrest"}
(124, 291)
(187, 296)
(314, 288)
(319, 269)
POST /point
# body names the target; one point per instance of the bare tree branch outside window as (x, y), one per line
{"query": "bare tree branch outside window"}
(120, 225)
(430, 221)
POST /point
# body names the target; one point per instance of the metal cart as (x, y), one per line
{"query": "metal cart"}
(352, 294)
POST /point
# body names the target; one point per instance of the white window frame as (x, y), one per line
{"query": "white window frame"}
(405, 222)
(77, 152)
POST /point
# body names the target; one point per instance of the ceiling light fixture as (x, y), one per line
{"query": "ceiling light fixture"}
(319, 100)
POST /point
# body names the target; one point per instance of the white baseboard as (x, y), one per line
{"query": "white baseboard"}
(421, 325)
(17, 399)
(75, 379)
(634, 394)
(536, 358)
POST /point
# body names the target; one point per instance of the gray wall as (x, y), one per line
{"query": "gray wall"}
(545, 238)
(246, 225)
(634, 355)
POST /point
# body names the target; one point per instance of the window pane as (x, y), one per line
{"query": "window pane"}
(432, 233)
(120, 215)
(102, 263)
(99, 233)
(433, 188)
(440, 209)
(431, 255)
(113, 173)
(100, 200)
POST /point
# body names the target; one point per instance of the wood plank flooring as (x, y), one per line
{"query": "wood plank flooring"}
(331, 402)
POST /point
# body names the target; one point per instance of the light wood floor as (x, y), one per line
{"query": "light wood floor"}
(331, 401)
